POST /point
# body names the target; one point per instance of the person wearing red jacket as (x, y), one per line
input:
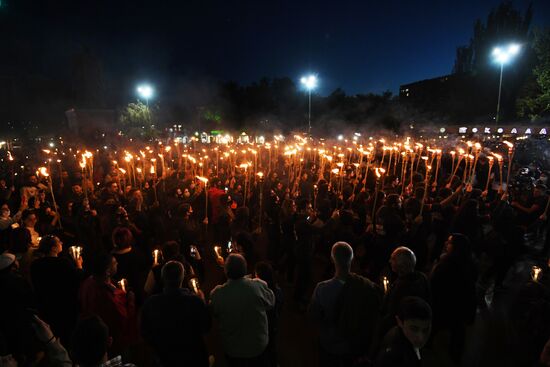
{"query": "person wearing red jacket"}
(116, 307)
(214, 195)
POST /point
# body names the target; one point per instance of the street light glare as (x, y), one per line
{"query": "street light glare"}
(146, 91)
(513, 49)
(310, 82)
(503, 55)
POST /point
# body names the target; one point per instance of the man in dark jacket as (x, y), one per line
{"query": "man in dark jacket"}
(347, 310)
(407, 284)
(56, 280)
(173, 323)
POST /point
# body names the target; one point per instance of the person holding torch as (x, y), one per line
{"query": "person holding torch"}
(174, 322)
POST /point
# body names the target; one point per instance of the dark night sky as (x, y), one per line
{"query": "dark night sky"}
(361, 46)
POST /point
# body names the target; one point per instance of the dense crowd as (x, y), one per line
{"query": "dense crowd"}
(116, 273)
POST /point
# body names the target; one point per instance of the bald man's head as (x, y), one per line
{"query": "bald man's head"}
(342, 255)
(403, 260)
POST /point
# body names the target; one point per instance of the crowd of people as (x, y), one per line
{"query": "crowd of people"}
(109, 274)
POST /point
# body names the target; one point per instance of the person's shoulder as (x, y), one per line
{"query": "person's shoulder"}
(361, 281)
(255, 282)
(328, 284)
(219, 289)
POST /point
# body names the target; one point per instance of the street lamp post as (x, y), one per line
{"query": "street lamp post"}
(502, 55)
(146, 92)
(310, 83)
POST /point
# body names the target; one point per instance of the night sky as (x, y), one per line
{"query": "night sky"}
(361, 46)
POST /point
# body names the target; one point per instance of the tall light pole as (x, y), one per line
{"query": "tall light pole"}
(146, 91)
(310, 83)
(503, 55)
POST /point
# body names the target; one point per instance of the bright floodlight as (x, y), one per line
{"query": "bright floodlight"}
(146, 91)
(310, 82)
(503, 54)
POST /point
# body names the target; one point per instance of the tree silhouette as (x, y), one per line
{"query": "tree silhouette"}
(136, 120)
(504, 24)
(534, 101)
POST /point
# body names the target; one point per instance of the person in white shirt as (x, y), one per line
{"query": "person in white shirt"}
(240, 306)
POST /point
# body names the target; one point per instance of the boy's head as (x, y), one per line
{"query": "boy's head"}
(90, 342)
(415, 320)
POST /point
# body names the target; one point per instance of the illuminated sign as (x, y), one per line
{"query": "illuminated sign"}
(528, 131)
(487, 130)
(542, 131)
(474, 130)
(500, 130)
(514, 131)
(462, 130)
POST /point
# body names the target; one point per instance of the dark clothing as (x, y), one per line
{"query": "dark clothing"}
(17, 301)
(397, 351)
(189, 234)
(134, 267)
(454, 305)
(259, 361)
(413, 284)
(453, 292)
(358, 313)
(56, 281)
(173, 324)
(348, 313)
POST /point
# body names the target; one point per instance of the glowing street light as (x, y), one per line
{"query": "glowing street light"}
(145, 91)
(503, 55)
(309, 82)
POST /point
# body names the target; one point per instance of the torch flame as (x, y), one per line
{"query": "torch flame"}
(43, 171)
